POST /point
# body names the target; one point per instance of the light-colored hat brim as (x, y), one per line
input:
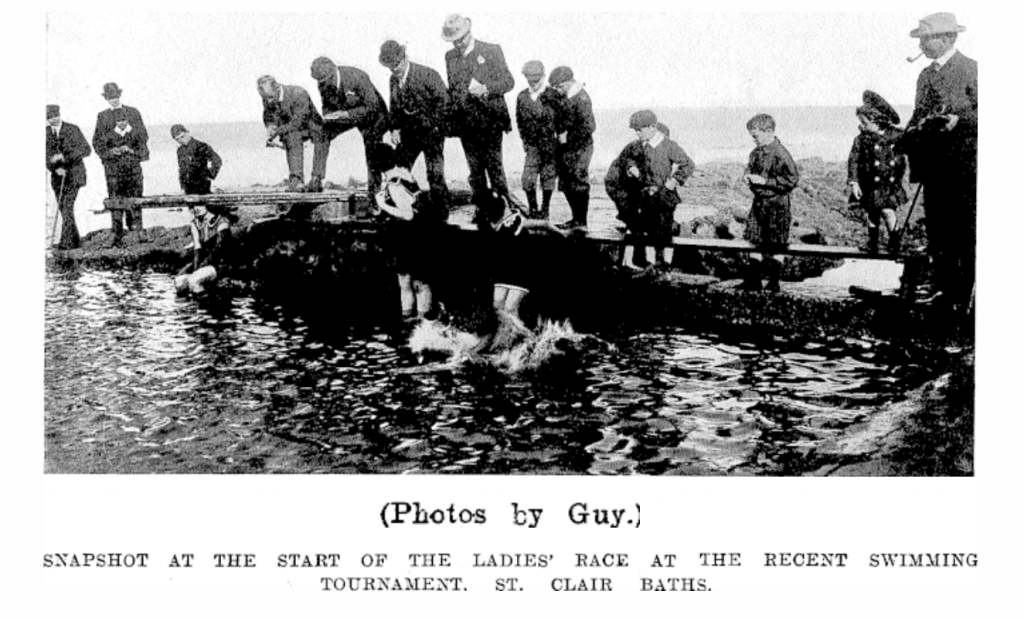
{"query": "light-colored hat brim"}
(460, 32)
(917, 33)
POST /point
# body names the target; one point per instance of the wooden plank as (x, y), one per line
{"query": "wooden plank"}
(265, 198)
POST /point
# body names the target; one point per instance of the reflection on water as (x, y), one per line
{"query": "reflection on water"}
(138, 380)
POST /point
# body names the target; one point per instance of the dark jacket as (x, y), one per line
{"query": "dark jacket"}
(294, 112)
(124, 163)
(877, 168)
(71, 143)
(935, 153)
(536, 119)
(471, 114)
(198, 164)
(776, 165)
(105, 124)
(576, 117)
(420, 106)
(355, 94)
(655, 164)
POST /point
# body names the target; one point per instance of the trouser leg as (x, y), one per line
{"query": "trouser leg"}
(371, 137)
(293, 145)
(69, 238)
(433, 153)
(321, 152)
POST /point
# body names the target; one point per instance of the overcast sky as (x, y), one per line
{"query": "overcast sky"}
(202, 67)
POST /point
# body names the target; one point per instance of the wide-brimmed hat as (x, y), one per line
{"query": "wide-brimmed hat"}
(455, 27)
(111, 91)
(177, 130)
(52, 111)
(533, 68)
(877, 109)
(391, 54)
(641, 119)
(938, 23)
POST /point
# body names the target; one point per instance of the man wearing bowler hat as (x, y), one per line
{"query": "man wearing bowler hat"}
(478, 80)
(65, 149)
(419, 116)
(349, 100)
(122, 143)
(942, 143)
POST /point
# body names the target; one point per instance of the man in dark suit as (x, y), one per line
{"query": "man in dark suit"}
(419, 113)
(349, 100)
(122, 143)
(291, 119)
(478, 80)
(942, 142)
(198, 163)
(65, 149)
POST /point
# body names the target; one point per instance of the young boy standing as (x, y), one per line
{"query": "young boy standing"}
(575, 125)
(643, 181)
(198, 164)
(875, 170)
(772, 175)
(535, 117)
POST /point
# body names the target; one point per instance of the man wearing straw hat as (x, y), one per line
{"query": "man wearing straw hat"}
(65, 149)
(942, 141)
(122, 155)
(478, 80)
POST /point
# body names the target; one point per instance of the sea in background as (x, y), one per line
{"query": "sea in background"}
(707, 134)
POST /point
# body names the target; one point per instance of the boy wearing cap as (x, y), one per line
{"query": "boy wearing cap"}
(289, 116)
(574, 125)
(349, 100)
(644, 182)
(875, 170)
(122, 143)
(536, 107)
(65, 149)
(198, 164)
(771, 175)
(942, 143)
(478, 80)
(419, 115)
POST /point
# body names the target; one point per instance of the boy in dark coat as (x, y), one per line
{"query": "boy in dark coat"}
(644, 182)
(575, 125)
(772, 175)
(536, 107)
(874, 169)
(65, 149)
(198, 164)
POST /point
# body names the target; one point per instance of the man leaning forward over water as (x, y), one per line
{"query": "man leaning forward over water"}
(291, 119)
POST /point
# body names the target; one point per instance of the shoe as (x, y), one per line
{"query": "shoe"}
(296, 186)
(314, 186)
(773, 286)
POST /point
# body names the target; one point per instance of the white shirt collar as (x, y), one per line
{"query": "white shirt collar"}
(280, 94)
(574, 90)
(56, 129)
(535, 94)
(655, 141)
(405, 76)
(944, 58)
(127, 129)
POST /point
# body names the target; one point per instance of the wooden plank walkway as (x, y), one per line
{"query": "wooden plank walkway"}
(357, 198)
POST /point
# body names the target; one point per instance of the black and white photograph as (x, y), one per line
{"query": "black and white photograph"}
(339, 305)
(481, 247)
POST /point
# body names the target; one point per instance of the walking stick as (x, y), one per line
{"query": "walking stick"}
(60, 195)
(906, 222)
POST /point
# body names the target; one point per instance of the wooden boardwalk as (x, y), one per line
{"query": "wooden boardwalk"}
(357, 200)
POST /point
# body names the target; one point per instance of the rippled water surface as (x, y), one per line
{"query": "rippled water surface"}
(138, 380)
